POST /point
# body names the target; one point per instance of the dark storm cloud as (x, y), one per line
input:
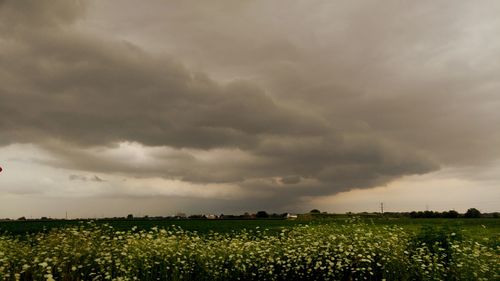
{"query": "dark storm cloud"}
(421, 73)
(94, 92)
(74, 94)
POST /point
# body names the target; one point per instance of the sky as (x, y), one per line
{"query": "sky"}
(152, 108)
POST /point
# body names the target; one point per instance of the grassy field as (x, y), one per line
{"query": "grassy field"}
(332, 249)
(479, 228)
(198, 225)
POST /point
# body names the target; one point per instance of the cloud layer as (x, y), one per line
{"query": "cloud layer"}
(251, 95)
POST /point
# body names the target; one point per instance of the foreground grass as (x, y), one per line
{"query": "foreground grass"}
(328, 251)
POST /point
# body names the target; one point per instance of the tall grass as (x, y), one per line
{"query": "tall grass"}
(354, 251)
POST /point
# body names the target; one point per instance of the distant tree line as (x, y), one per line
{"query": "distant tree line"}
(471, 213)
(313, 214)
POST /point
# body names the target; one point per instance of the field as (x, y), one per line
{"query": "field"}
(199, 225)
(338, 249)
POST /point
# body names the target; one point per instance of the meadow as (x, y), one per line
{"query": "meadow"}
(340, 249)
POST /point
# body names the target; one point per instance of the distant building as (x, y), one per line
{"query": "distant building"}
(291, 216)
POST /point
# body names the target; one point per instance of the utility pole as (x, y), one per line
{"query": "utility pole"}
(382, 208)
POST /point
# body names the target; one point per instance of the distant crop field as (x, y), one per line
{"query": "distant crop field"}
(481, 227)
(339, 249)
(201, 226)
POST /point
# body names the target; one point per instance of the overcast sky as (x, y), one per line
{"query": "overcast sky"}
(157, 107)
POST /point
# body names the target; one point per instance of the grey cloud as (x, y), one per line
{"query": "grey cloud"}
(71, 93)
(93, 178)
(423, 73)
(37, 14)
(290, 179)
(77, 177)
(328, 168)
(90, 94)
(96, 179)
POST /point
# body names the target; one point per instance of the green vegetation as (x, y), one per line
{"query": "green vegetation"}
(199, 225)
(352, 249)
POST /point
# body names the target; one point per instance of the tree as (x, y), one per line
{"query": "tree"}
(450, 214)
(262, 214)
(315, 211)
(429, 214)
(472, 213)
(130, 216)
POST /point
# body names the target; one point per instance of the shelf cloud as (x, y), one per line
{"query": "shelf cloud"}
(309, 100)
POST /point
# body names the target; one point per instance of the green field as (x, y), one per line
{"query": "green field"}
(479, 228)
(199, 225)
(327, 249)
